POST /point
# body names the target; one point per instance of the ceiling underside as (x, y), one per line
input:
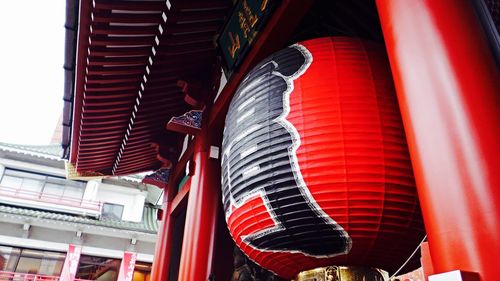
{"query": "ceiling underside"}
(130, 57)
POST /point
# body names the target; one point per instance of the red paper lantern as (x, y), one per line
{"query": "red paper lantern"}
(315, 167)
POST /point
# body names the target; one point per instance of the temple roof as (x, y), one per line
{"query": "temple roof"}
(149, 223)
(128, 73)
(52, 151)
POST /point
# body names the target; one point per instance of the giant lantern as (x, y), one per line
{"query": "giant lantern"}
(315, 167)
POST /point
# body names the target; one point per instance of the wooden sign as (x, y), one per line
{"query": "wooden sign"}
(236, 39)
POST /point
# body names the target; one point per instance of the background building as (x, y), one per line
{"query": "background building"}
(42, 213)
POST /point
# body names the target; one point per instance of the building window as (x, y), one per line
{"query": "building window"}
(98, 268)
(112, 211)
(8, 258)
(31, 261)
(37, 186)
(24, 184)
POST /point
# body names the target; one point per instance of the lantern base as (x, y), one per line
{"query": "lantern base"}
(343, 273)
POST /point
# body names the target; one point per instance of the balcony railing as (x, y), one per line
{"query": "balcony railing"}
(16, 276)
(17, 194)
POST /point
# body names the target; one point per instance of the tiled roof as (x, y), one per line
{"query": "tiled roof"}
(53, 151)
(149, 218)
(149, 223)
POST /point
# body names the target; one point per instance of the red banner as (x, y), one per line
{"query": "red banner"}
(71, 263)
(127, 267)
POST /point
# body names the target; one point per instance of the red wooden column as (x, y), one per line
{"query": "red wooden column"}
(161, 262)
(70, 267)
(127, 266)
(201, 213)
(449, 93)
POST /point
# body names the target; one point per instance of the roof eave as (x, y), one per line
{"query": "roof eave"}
(70, 26)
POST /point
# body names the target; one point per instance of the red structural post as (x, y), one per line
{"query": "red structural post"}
(161, 261)
(201, 214)
(127, 266)
(449, 93)
(70, 267)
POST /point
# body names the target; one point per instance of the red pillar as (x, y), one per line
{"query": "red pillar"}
(70, 267)
(127, 266)
(161, 261)
(449, 93)
(201, 214)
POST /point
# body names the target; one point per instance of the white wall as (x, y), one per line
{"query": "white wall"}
(91, 190)
(131, 199)
(2, 170)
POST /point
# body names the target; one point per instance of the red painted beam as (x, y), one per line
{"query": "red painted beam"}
(204, 5)
(109, 95)
(191, 28)
(118, 117)
(134, 159)
(99, 60)
(108, 102)
(129, 5)
(198, 16)
(448, 88)
(119, 52)
(99, 140)
(96, 110)
(105, 29)
(180, 40)
(138, 168)
(94, 149)
(139, 160)
(95, 159)
(117, 70)
(103, 154)
(106, 17)
(180, 200)
(181, 164)
(105, 40)
(148, 166)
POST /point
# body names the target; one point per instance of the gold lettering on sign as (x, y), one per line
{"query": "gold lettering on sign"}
(263, 5)
(235, 44)
(245, 27)
(251, 17)
(250, 39)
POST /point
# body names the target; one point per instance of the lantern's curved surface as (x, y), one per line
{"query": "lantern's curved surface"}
(315, 166)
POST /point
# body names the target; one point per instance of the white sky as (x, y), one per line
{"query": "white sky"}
(31, 69)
